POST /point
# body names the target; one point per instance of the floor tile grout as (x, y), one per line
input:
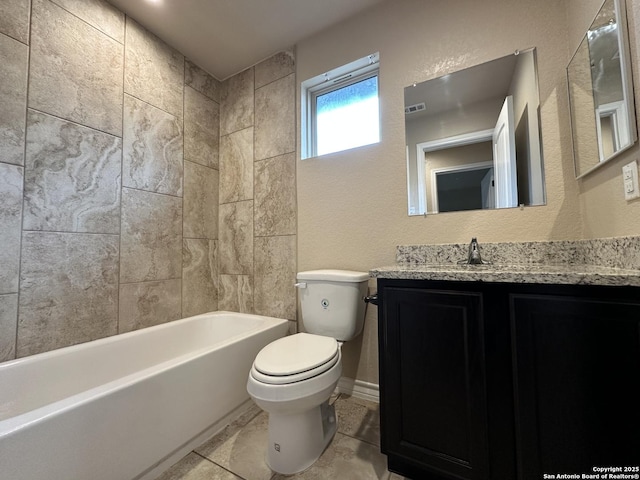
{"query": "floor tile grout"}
(218, 465)
(359, 439)
(357, 417)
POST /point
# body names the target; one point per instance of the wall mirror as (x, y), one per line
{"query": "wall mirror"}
(473, 138)
(603, 120)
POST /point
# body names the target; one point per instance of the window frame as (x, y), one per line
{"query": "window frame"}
(352, 73)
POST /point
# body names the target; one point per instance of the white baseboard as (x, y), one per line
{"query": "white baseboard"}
(358, 388)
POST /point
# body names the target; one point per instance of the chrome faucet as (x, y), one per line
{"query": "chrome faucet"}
(474, 257)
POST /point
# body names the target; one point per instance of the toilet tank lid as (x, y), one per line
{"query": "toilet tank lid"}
(334, 275)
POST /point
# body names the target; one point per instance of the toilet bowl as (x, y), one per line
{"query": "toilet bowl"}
(301, 421)
(293, 377)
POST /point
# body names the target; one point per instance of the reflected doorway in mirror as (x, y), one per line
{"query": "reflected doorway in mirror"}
(603, 122)
(464, 108)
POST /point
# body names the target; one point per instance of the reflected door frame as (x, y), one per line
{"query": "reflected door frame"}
(441, 144)
(504, 157)
(458, 168)
(620, 136)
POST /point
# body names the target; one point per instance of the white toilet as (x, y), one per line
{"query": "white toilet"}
(293, 377)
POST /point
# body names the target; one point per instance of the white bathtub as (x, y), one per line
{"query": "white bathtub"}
(128, 406)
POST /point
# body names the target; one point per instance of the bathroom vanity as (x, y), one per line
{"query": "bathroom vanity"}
(505, 372)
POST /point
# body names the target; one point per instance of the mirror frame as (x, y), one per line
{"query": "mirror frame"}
(627, 87)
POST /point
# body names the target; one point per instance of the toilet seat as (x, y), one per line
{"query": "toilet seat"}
(295, 358)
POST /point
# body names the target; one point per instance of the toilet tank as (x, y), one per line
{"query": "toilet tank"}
(332, 302)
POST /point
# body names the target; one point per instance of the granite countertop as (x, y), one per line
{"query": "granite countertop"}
(608, 261)
(540, 274)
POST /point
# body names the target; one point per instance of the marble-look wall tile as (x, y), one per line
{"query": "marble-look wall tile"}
(201, 81)
(236, 166)
(275, 196)
(200, 201)
(75, 71)
(274, 68)
(275, 118)
(93, 200)
(275, 275)
(11, 181)
(72, 177)
(152, 148)
(68, 290)
(236, 238)
(8, 326)
(147, 304)
(236, 102)
(236, 293)
(98, 13)
(154, 71)
(13, 98)
(151, 236)
(199, 276)
(201, 129)
(14, 19)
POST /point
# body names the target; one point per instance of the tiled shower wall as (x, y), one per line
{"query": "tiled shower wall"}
(110, 171)
(257, 236)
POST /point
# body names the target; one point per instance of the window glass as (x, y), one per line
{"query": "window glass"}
(348, 117)
(339, 109)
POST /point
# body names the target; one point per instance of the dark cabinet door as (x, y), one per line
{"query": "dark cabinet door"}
(433, 401)
(577, 383)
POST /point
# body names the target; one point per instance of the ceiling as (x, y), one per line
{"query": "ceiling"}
(465, 87)
(225, 37)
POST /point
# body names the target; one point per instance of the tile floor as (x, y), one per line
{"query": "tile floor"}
(237, 453)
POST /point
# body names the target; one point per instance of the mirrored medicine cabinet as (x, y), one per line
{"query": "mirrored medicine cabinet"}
(473, 138)
(601, 103)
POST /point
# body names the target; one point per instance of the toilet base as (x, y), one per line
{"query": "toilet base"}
(297, 440)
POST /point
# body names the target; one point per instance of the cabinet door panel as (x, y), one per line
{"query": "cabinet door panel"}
(577, 367)
(434, 380)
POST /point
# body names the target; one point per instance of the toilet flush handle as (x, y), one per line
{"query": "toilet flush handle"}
(300, 285)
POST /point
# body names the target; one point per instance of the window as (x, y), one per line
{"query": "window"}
(340, 108)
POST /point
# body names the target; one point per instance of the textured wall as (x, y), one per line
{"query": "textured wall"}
(353, 205)
(110, 159)
(257, 230)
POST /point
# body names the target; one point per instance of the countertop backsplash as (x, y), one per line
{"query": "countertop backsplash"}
(604, 261)
(618, 252)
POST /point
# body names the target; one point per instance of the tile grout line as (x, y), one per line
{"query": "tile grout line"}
(358, 439)
(24, 183)
(218, 465)
(184, 164)
(122, 146)
(339, 397)
(95, 27)
(74, 122)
